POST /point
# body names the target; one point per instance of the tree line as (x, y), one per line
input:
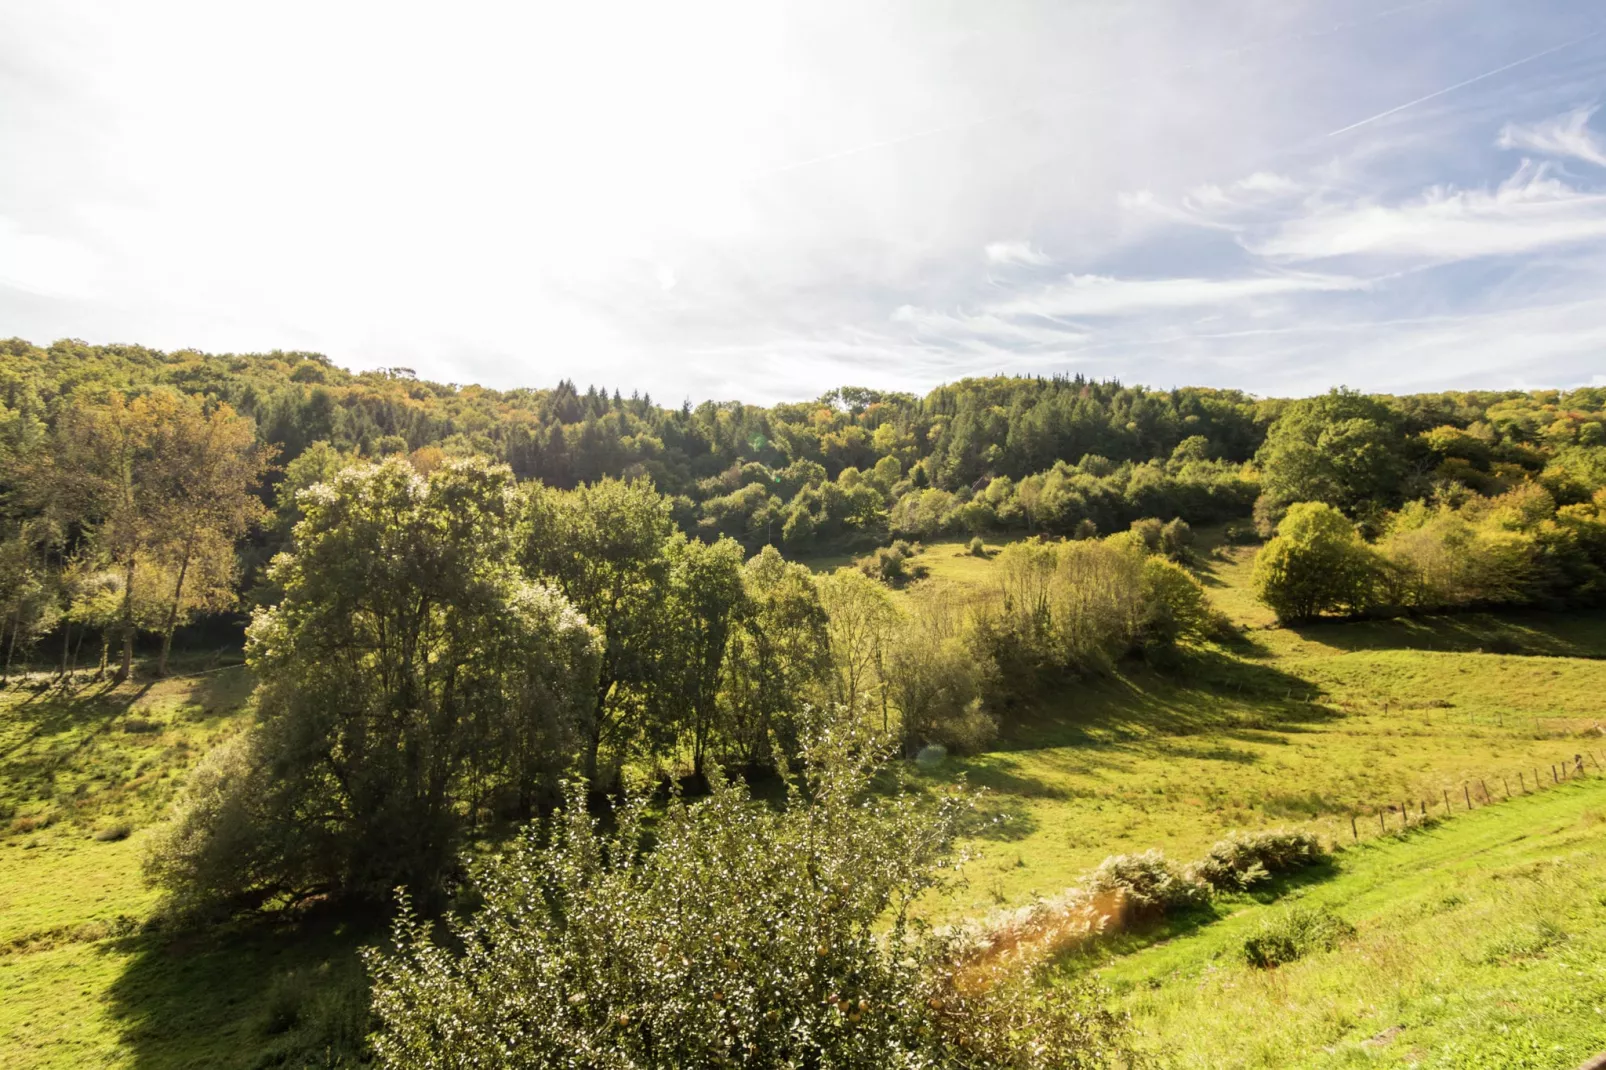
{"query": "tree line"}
(447, 648)
(1508, 511)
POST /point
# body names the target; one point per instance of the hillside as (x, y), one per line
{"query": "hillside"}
(1302, 727)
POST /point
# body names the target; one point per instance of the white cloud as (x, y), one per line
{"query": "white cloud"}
(1015, 252)
(1528, 213)
(1563, 135)
(1097, 295)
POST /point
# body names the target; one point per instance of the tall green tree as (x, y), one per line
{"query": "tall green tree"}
(209, 464)
(114, 478)
(1341, 448)
(705, 597)
(409, 667)
(607, 547)
(861, 621)
(1316, 564)
(780, 655)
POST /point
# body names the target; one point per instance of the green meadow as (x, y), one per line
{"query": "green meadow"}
(1480, 938)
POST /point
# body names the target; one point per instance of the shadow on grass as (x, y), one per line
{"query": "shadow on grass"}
(1197, 692)
(245, 995)
(1532, 632)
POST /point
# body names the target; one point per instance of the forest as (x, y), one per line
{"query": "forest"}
(601, 704)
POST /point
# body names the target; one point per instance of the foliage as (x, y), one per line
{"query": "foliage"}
(933, 679)
(780, 650)
(409, 676)
(1143, 884)
(892, 564)
(1244, 859)
(861, 622)
(607, 547)
(1341, 448)
(1294, 933)
(764, 937)
(1316, 564)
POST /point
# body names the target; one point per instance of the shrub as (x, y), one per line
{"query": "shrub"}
(1295, 933)
(977, 547)
(1316, 564)
(747, 934)
(1245, 859)
(892, 565)
(112, 833)
(1145, 883)
(1240, 535)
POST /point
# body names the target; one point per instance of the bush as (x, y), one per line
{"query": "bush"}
(892, 565)
(1240, 535)
(1295, 933)
(113, 833)
(977, 547)
(1245, 859)
(1144, 884)
(1316, 564)
(747, 934)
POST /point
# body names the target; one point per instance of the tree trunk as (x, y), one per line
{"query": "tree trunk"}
(172, 610)
(126, 669)
(16, 626)
(66, 649)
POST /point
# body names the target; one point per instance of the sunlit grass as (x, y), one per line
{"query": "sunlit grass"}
(1481, 942)
(1276, 727)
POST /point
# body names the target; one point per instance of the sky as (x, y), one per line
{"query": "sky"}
(763, 201)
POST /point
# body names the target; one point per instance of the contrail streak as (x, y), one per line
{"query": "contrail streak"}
(1060, 103)
(1462, 85)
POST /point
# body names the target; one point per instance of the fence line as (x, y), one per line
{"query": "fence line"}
(1569, 769)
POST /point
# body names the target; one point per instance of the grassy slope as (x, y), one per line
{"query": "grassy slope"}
(1144, 759)
(1481, 942)
(1407, 710)
(85, 984)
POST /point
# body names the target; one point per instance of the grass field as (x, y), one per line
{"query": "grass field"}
(1278, 727)
(1480, 941)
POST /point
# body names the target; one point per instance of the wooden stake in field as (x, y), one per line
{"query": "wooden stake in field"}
(1381, 824)
(1507, 785)
(1424, 809)
(1554, 779)
(1446, 802)
(1353, 830)
(1467, 791)
(1405, 815)
(1485, 788)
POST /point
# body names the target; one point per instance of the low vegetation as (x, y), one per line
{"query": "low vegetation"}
(613, 691)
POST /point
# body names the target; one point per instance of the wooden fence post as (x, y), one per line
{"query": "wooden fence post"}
(1446, 802)
(1485, 788)
(1507, 785)
(1382, 827)
(1467, 791)
(1353, 830)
